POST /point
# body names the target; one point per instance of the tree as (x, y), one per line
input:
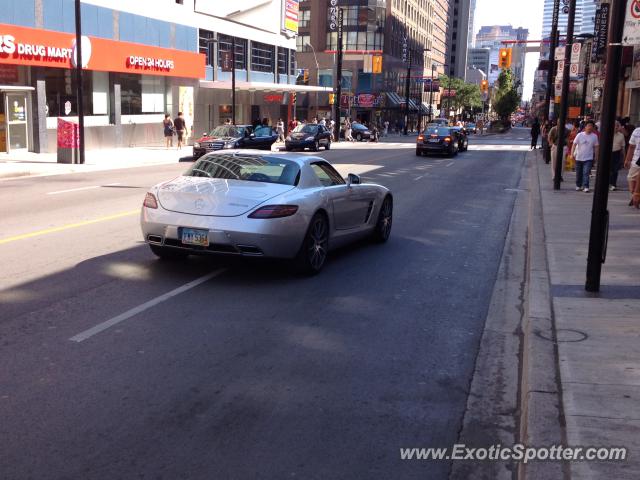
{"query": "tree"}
(507, 98)
(467, 95)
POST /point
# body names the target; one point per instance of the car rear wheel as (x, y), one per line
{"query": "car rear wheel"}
(359, 137)
(328, 145)
(316, 146)
(385, 221)
(315, 246)
(167, 253)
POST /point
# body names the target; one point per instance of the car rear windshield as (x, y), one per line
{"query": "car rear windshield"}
(250, 168)
(438, 131)
(227, 131)
(313, 129)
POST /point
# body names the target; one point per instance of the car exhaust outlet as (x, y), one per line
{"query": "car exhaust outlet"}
(155, 239)
(249, 250)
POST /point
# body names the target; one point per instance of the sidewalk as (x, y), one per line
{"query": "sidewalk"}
(15, 165)
(598, 335)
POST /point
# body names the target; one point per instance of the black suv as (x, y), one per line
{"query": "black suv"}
(235, 136)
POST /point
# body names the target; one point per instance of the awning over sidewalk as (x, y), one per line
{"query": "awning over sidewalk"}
(263, 87)
(396, 101)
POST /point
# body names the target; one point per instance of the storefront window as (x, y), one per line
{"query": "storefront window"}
(61, 88)
(262, 57)
(141, 93)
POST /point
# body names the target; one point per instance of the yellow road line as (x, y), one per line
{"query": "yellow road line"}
(69, 226)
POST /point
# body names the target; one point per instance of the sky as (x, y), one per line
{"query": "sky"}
(517, 13)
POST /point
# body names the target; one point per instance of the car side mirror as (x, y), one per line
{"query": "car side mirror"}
(252, 135)
(353, 179)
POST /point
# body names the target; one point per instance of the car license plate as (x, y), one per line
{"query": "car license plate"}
(434, 140)
(192, 236)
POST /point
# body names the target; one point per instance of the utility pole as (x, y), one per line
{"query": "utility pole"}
(564, 98)
(233, 80)
(599, 213)
(406, 92)
(80, 100)
(552, 60)
(338, 81)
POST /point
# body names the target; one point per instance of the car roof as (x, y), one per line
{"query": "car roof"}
(300, 158)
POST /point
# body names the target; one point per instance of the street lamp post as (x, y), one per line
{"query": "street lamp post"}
(599, 212)
(564, 100)
(317, 75)
(407, 85)
(79, 81)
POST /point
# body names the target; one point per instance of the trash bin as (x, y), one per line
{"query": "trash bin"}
(68, 142)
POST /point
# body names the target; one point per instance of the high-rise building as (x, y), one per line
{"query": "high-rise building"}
(461, 27)
(584, 22)
(373, 28)
(479, 58)
(492, 37)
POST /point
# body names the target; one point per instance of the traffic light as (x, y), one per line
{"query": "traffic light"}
(293, 98)
(305, 76)
(332, 98)
(377, 64)
(504, 59)
(484, 86)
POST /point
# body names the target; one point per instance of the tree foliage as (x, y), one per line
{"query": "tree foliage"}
(468, 95)
(507, 99)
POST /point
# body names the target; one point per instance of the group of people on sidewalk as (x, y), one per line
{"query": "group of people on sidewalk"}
(177, 127)
(582, 140)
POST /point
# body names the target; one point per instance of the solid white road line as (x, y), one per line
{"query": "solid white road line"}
(83, 188)
(101, 327)
(420, 177)
(449, 164)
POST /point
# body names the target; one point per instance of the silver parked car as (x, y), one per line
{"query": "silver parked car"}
(254, 203)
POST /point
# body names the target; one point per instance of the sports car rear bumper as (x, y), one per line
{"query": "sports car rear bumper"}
(276, 237)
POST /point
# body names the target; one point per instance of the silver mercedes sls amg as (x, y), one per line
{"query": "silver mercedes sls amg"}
(254, 203)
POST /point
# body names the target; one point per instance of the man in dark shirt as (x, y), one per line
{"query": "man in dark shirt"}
(180, 125)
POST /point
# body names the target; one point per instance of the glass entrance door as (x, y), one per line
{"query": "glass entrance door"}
(16, 108)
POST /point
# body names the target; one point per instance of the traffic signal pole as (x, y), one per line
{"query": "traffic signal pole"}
(80, 100)
(599, 213)
(564, 98)
(338, 80)
(406, 93)
(552, 62)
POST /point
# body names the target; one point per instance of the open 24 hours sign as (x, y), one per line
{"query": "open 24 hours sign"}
(46, 48)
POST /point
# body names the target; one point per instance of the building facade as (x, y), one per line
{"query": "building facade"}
(141, 60)
(493, 38)
(480, 58)
(461, 28)
(372, 28)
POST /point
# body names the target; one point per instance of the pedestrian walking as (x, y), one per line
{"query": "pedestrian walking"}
(280, 130)
(553, 139)
(181, 128)
(632, 162)
(167, 126)
(347, 130)
(584, 151)
(617, 156)
(332, 128)
(535, 133)
(480, 126)
(386, 128)
(293, 124)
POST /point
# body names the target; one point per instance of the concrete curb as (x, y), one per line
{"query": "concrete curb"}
(491, 415)
(541, 411)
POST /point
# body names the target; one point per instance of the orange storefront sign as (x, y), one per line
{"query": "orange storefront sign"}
(46, 48)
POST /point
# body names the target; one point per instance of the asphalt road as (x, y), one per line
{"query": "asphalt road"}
(255, 372)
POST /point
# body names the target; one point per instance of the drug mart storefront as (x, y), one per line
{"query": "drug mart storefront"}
(127, 88)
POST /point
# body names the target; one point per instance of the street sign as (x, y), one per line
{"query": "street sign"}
(576, 48)
(333, 15)
(67, 107)
(631, 30)
(574, 70)
(559, 53)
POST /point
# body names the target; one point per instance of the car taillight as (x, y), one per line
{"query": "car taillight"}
(150, 201)
(447, 139)
(274, 211)
(420, 138)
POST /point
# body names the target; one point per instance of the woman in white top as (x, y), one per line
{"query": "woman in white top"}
(617, 157)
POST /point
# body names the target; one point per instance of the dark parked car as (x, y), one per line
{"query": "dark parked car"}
(308, 135)
(235, 136)
(359, 132)
(437, 139)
